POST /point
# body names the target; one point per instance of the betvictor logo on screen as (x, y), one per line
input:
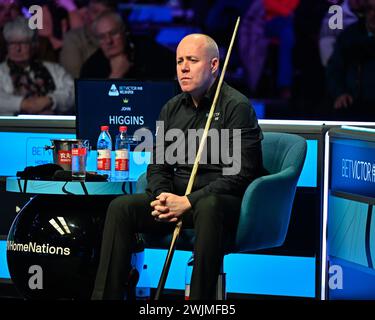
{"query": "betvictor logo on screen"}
(113, 92)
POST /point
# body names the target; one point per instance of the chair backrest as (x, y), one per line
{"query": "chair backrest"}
(283, 150)
(268, 200)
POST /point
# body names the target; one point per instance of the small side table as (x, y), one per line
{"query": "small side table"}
(53, 245)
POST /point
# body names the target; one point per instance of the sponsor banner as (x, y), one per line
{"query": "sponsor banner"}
(353, 168)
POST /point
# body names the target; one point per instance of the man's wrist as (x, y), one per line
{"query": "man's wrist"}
(188, 204)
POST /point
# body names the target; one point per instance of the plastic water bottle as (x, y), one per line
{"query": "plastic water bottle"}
(188, 273)
(122, 155)
(104, 148)
(143, 292)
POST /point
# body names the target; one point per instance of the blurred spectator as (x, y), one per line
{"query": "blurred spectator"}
(76, 12)
(328, 36)
(9, 10)
(221, 18)
(28, 85)
(267, 20)
(120, 56)
(253, 43)
(55, 24)
(351, 69)
(79, 44)
(279, 25)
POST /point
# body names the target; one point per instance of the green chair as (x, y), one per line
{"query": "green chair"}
(263, 223)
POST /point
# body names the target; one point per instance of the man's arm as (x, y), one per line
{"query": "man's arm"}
(63, 95)
(250, 167)
(70, 56)
(159, 176)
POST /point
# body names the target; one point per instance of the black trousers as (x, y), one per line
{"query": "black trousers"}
(214, 219)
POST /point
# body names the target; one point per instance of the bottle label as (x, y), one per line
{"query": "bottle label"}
(122, 160)
(64, 157)
(104, 159)
(78, 151)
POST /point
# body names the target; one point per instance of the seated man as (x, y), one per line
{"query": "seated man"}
(351, 69)
(28, 85)
(213, 206)
(123, 56)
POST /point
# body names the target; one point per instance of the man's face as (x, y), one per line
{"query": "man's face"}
(19, 50)
(195, 68)
(370, 15)
(111, 37)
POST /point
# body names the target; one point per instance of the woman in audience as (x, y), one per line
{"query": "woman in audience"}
(28, 85)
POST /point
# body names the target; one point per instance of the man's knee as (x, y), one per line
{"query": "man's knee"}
(209, 201)
(120, 207)
(209, 208)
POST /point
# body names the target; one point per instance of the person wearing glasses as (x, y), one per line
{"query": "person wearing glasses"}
(29, 85)
(80, 43)
(121, 55)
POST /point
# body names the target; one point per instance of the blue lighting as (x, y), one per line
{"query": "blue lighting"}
(150, 13)
(309, 174)
(172, 36)
(358, 282)
(347, 225)
(259, 108)
(22, 149)
(246, 273)
(270, 275)
(4, 272)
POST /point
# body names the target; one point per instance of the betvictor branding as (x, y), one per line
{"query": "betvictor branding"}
(37, 248)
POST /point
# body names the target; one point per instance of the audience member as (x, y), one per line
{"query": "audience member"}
(55, 22)
(119, 56)
(9, 10)
(328, 35)
(263, 21)
(351, 69)
(79, 44)
(28, 85)
(279, 25)
(76, 12)
(55, 25)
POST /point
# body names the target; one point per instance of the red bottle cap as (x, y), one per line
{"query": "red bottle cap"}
(123, 128)
(104, 128)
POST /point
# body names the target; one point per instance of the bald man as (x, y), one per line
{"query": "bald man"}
(212, 208)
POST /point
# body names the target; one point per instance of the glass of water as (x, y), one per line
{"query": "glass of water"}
(80, 150)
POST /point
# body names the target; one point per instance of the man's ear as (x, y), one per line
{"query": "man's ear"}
(214, 65)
